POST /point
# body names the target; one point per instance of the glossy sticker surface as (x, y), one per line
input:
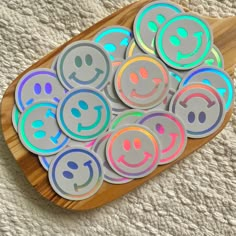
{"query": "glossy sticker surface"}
(133, 151)
(170, 132)
(200, 107)
(39, 131)
(84, 63)
(142, 82)
(184, 41)
(76, 174)
(84, 114)
(215, 58)
(133, 49)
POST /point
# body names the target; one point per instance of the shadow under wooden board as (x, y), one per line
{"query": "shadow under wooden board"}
(225, 39)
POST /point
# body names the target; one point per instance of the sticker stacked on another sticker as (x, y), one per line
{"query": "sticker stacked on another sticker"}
(115, 108)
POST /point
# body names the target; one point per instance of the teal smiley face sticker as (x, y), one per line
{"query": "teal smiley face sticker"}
(84, 63)
(184, 42)
(148, 22)
(84, 114)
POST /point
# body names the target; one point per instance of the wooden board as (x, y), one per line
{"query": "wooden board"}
(225, 39)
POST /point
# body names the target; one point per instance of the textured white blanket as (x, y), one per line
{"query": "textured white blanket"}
(196, 197)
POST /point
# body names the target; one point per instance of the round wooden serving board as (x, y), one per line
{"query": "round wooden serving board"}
(225, 39)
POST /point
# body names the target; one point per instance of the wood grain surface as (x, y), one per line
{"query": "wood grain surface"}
(225, 39)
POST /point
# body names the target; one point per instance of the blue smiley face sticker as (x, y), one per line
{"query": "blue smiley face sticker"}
(76, 173)
(115, 40)
(184, 41)
(38, 85)
(84, 114)
(39, 131)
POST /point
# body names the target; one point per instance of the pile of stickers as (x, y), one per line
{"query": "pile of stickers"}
(114, 108)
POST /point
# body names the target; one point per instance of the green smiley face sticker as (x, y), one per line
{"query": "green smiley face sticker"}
(184, 42)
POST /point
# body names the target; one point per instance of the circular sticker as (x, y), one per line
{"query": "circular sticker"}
(54, 64)
(170, 131)
(184, 41)
(149, 20)
(84, 63)
(133, 151)
(109, 175)
(133, 49)
(215, 58)
(110, 92)
(15, 117)
(142, 82)
(215, 77)
(175, 79)
(115, 40)
(39, 131)
(127, 117)
(76, 174)
(201, 109)
(39, 84)
(84, 114)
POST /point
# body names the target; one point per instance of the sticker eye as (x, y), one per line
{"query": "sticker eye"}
(75, 112)
(134, 78)
(124, 42)
(152, 26)
(37, 124)
(202, 117)
(78, 61)
(137, 143)
(89, 60)
(83, 105)
(126, 145)
(182, 32)
(68, 175)
(160, 129)
(110, 47)
(143, 72)
(37, 88)
(175, 41)
(191, 117)
(160, 19)
(72, 165)
(39, 134)
(48, 88)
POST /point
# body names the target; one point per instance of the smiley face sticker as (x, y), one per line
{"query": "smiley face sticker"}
(148, 22)
(39, 131)
(170, 132)
(38, 85)
(84, 63)
(215, 58)
(142, 82)
(76, 174)
(84, 114)
(133, 151)
(200, 107)
(184, 41)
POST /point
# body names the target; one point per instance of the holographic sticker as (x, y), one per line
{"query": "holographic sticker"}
(133, 151)
(76, 174)
(170, 131)
(175, 79)
(215, 77)
(39, 84)
(84, 63)
(142, 82)
(133, 49)
(184, 41)
(39, 131)
(54, 64)
(149, 20)
(109, 91)
(115, 40)
(127, 117)
(200, 107)
(46, 160)
(84, 114)
(109, 175)
(215, 58)
(15, 117)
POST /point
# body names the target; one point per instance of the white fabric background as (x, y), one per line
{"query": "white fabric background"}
(196, 197)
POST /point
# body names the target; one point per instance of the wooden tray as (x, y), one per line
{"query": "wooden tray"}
(225, 39)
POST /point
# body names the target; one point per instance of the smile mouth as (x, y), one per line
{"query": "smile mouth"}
(146, 158)
(96, 76)
(90, 127)
(89, 165)
(172, 143)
